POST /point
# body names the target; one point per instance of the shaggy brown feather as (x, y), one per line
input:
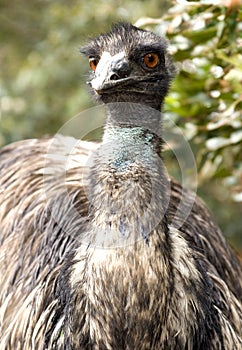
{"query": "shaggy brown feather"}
(115, 255)
(33, 250)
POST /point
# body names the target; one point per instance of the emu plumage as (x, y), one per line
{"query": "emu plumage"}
(177, 286)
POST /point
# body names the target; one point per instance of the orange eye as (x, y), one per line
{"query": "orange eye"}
(93, 63)
(151, 60)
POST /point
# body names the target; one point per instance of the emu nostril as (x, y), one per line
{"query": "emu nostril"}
(120, 70)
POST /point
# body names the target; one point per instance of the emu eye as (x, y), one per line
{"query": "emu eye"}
(93, 63)
(151, 60)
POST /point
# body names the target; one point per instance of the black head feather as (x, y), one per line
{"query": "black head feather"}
(126, 46)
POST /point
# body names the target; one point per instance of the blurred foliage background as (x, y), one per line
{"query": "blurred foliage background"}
(42, 82)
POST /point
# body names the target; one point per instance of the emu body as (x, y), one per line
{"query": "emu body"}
(109, 262)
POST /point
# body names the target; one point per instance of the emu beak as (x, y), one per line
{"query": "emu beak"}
(110, 71)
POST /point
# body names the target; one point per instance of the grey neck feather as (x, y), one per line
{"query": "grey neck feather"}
(123, 114)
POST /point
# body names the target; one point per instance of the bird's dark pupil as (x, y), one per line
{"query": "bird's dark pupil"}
(150, 58)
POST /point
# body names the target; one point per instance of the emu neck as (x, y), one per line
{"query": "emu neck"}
(127, 178)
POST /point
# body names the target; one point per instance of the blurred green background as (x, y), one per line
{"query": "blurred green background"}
(42, 82)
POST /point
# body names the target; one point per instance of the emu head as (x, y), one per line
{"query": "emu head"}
(129, 65)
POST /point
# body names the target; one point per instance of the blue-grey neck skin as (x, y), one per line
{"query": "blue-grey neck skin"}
(128, 145)
(132, 134)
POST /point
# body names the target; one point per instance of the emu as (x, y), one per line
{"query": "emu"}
(110, 262)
